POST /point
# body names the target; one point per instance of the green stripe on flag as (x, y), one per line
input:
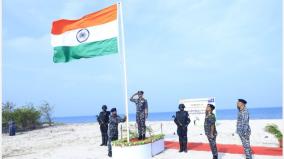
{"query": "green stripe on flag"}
(85, 50)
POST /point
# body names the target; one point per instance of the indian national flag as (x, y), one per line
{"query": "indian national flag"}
(93, 35)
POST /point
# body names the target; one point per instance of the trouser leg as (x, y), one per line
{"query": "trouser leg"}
(213, 146)
(184, 138)
(185, 144)
(138, 125)
(143, 125)
(246, 145)
(109, 147)
(106, 139)
(180, 144)
(102, 134)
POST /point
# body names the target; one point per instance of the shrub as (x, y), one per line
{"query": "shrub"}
(27, 117)
(273, 129)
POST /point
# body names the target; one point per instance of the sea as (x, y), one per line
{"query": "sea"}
(222, 114)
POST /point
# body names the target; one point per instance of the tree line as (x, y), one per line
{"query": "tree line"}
(27, 117)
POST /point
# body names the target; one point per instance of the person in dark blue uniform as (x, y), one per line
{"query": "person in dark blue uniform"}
(182, 120)
(103, 120)
(114, 120)
(141, 113)
(12, 128)
(243, 128)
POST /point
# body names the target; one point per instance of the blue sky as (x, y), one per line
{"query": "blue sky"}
(174, 50)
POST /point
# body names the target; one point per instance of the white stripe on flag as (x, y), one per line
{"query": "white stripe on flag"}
(96, 33)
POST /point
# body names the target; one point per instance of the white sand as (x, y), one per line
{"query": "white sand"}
(82, 141)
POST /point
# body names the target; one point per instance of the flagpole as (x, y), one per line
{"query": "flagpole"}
(122, 50)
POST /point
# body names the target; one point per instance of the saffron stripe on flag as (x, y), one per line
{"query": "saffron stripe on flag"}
(101, 17)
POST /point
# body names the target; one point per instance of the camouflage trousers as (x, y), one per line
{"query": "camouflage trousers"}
(140, 120)
(246, 146)
(110, 139)
(213, 146)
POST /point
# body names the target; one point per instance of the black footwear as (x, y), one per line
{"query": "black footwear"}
(102, 144)
(180, 147)
(143, 137)
(215, 157)
(185, 146)
(109, 154)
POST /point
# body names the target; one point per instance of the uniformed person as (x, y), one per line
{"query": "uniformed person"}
(182, 120)
(12, 128)
(114, 120)
(141, 113)
(103, 120)
(210, 129)
(243, 128)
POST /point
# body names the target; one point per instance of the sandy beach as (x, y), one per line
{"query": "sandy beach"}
(73, 141)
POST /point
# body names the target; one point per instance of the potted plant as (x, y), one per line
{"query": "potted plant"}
(274, 130)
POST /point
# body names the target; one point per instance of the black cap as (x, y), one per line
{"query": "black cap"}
(181, 106)
(104, 107)
(211, 106)
(113, 110)
(140, 92)
(242, 101)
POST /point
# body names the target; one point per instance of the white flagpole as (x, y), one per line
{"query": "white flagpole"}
(122, 50)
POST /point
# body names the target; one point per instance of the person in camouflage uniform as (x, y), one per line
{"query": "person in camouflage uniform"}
(114, 120)
(182, 120)
(103, 120)
(141, 113)
(210, 129)
(243, 128)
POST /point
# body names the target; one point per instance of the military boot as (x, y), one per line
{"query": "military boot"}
(185, 146)
(103, 140)
(140, 137)
(109, 154)
(180, 147)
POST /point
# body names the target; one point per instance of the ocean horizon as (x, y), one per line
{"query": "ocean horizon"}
(222, 114)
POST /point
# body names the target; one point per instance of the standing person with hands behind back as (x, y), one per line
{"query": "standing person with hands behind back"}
(210, 129)
(141, 113)
(182, 120)
(243, 128)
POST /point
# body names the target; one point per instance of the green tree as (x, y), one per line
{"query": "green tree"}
(27, 117)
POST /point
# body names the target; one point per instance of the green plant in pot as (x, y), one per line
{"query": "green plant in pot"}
(274, 130)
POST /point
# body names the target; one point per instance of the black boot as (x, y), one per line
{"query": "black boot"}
(140, 137)
(109, 154)
(180, 146)
(215, 157)
(185, 146)
(143, 137)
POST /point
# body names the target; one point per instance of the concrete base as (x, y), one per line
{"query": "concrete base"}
(138, 152)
